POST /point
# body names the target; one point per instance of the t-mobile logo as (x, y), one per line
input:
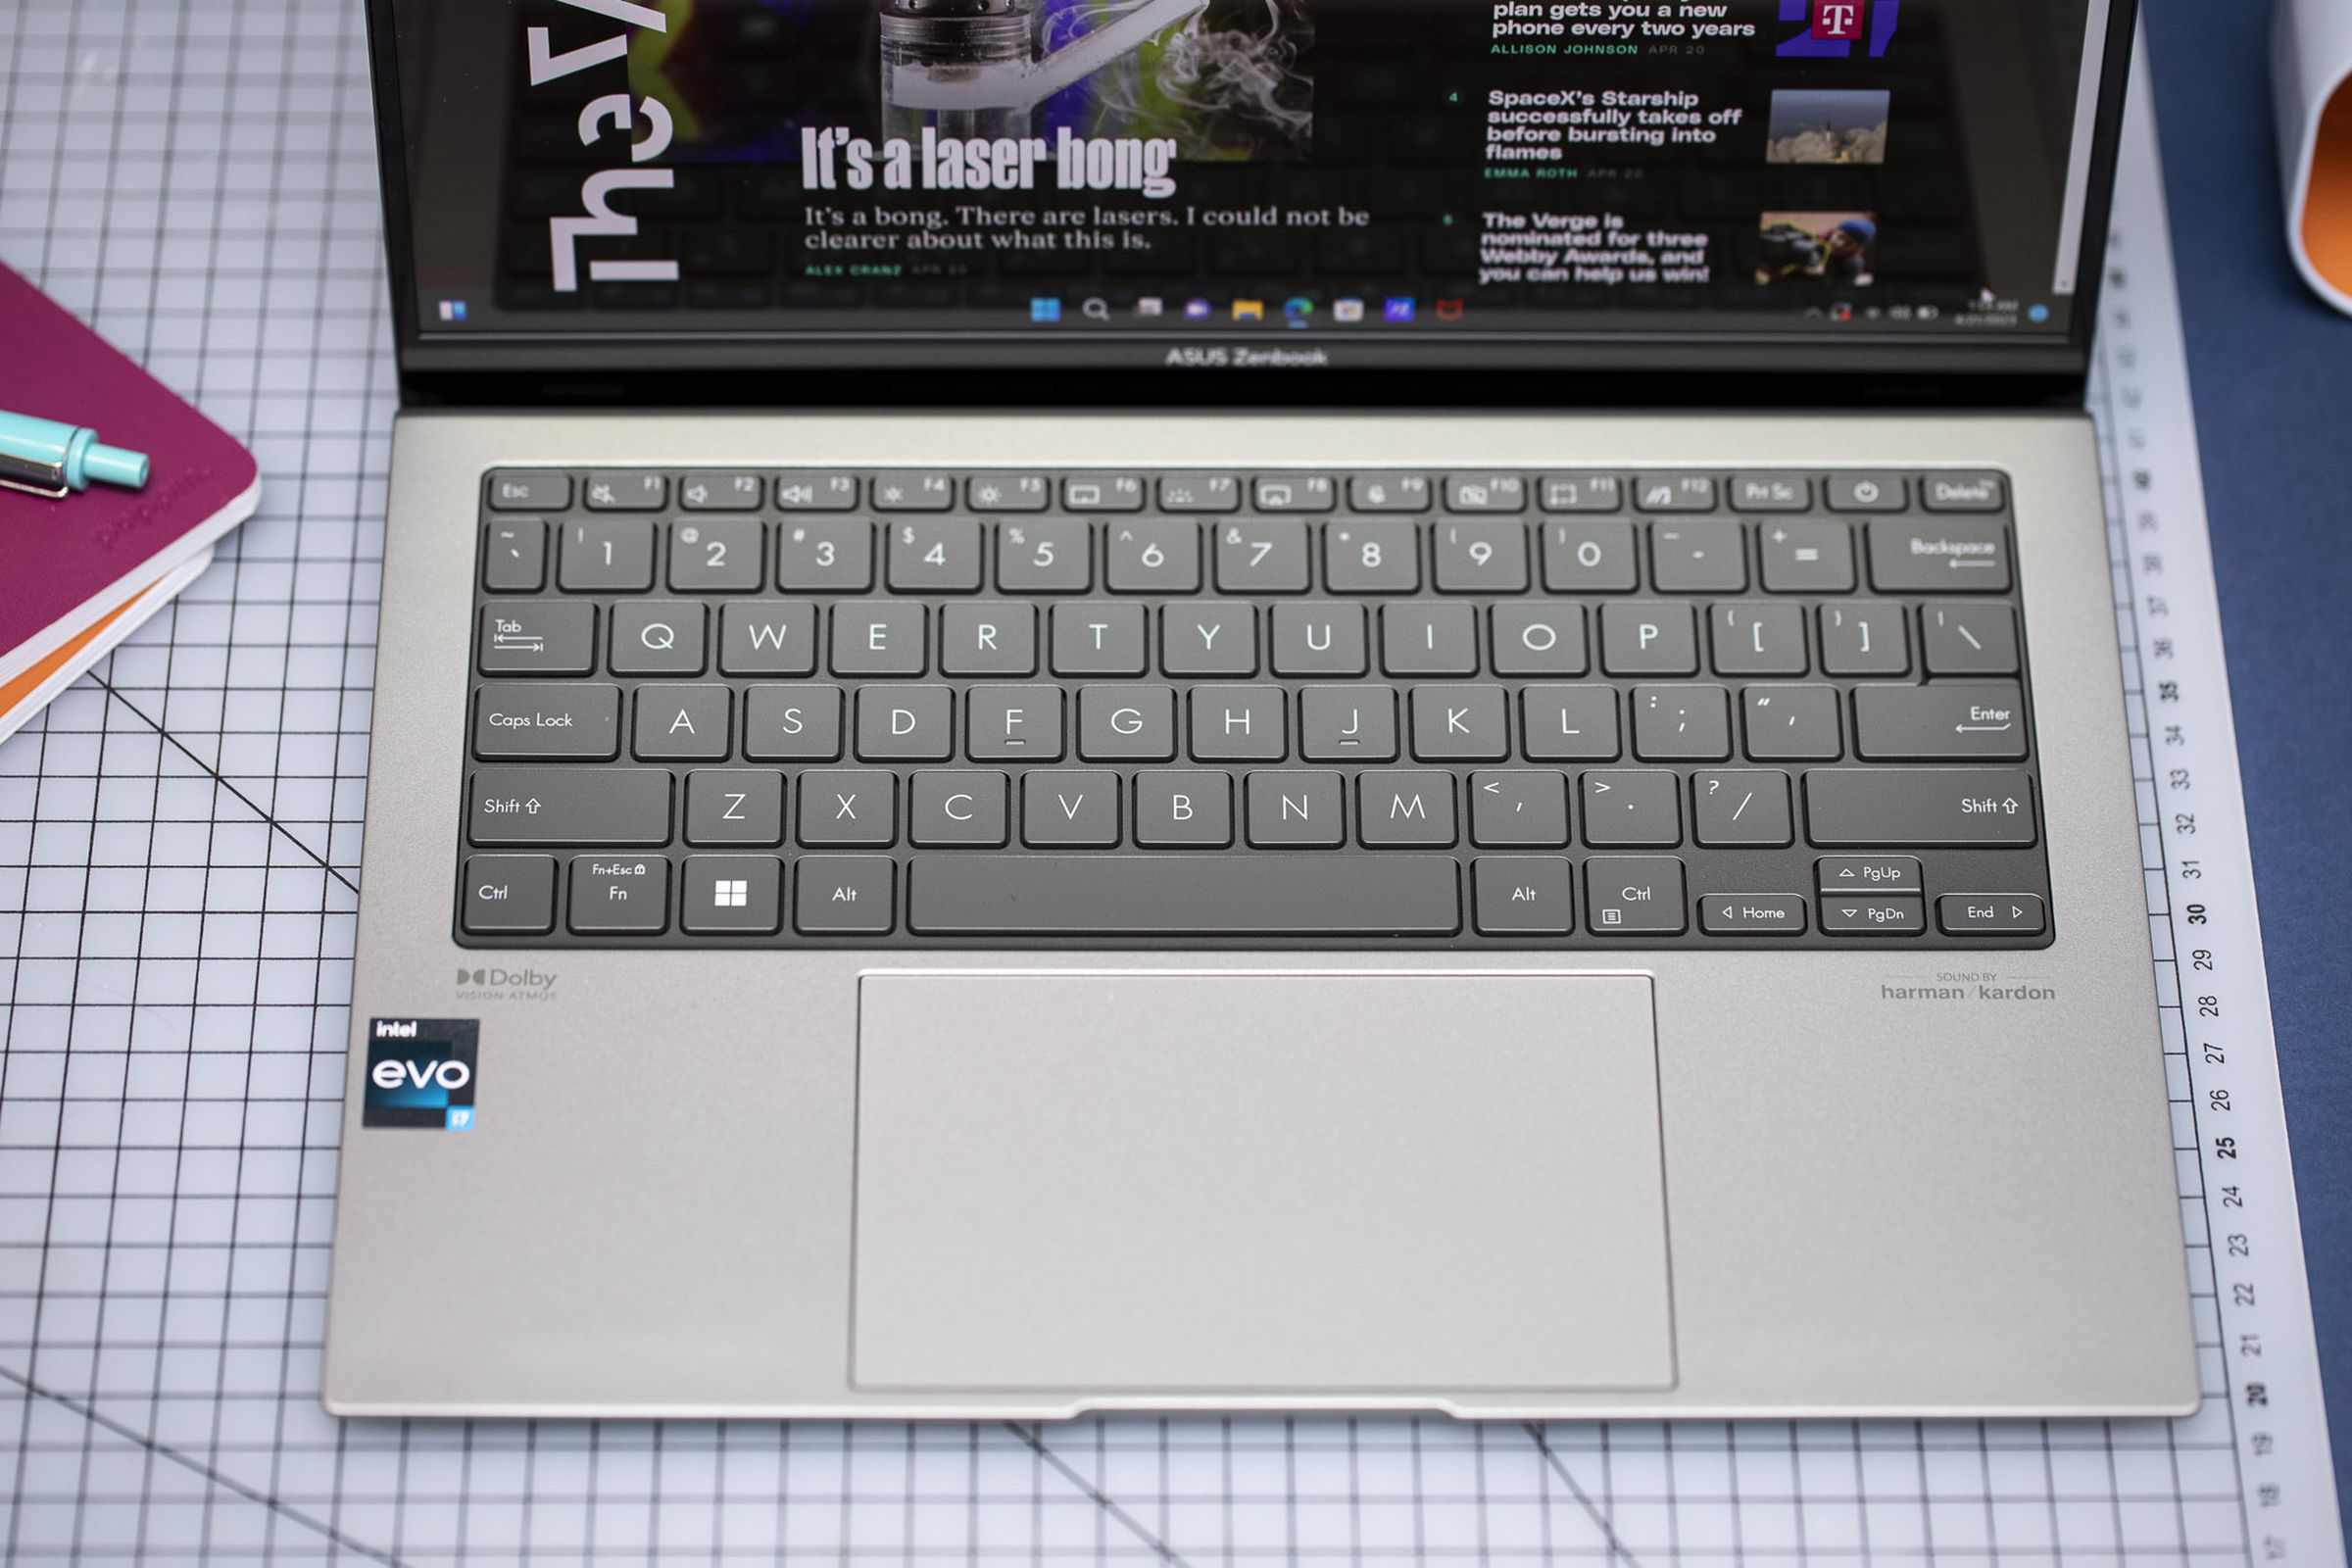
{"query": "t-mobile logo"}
(1838, 30)
(1840, 20)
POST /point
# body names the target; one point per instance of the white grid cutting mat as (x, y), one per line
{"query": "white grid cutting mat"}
(180, 844)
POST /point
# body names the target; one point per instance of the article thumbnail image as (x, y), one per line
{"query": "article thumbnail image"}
(1225, 83)
(1818, 126)
(1221, 78)
(1821, 246)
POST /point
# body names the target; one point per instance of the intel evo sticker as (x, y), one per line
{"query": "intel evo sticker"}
(420, 1072)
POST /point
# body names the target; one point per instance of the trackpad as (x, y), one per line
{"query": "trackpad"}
(1202, 1183)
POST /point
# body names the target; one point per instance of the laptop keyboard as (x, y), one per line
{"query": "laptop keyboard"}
(1273, 708)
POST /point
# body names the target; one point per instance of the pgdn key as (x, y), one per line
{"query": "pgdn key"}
(1899, 914)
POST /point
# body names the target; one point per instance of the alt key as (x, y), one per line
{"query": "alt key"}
(1524, 895)
(844, 895)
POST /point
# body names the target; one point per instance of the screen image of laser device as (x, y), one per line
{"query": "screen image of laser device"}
(1194, 69)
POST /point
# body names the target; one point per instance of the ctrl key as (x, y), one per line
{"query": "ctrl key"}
(620, 894)
(510, 894)
(1635, 895)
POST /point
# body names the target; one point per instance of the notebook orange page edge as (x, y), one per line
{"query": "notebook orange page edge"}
(24, 685)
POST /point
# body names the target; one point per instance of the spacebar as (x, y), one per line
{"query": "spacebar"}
(1183, 895)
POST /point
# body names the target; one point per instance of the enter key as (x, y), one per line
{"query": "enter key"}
(1932, 723)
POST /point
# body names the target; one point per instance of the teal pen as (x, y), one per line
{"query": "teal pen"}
(49, 458)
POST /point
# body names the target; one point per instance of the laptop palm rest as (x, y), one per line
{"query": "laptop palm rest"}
(1355, 1183)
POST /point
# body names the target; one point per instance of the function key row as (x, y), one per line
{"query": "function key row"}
(1162, 555)
(929, 490)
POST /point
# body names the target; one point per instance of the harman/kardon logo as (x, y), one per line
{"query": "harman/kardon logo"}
(422, 1072)
(1967, 987)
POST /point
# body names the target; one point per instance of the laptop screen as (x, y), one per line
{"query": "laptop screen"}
(1447, 185)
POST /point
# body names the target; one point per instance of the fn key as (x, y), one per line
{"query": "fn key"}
(620, 894)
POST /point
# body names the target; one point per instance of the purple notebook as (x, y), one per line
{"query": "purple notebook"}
(65, 564)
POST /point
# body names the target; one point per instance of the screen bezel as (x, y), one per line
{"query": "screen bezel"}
(1857, 370)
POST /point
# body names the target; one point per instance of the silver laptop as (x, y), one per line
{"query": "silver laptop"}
(1250, 703)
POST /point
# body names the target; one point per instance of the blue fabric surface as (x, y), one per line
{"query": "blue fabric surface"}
(2272, 372)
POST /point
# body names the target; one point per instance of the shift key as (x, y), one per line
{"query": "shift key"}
(1925, 806)
(587, 807)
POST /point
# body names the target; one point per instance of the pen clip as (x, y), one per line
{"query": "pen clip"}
(59, 492)
(34, 476)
